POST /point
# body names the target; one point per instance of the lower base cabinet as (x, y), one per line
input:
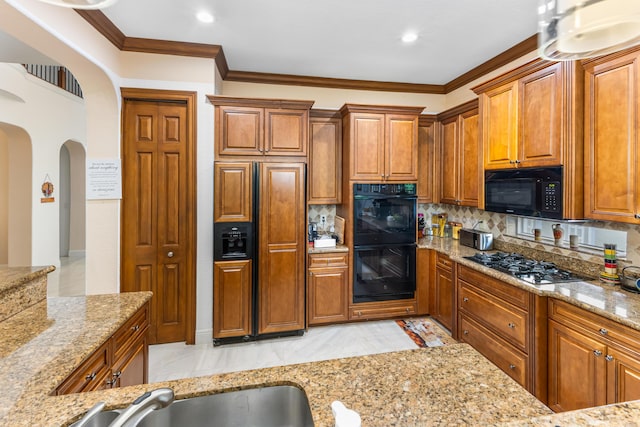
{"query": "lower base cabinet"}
(592, 361)
(328, 292)
(122, 360)
(443, 292)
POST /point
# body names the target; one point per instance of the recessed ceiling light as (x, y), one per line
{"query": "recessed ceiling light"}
(410, 37)
(204, 16)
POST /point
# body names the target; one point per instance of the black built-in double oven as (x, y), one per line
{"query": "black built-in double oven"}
(384, 239)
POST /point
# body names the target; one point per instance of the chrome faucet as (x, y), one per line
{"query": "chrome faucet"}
(142, 406)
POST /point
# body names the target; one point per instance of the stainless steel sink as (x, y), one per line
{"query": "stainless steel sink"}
(277, 406)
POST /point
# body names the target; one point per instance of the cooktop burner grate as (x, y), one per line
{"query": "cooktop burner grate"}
(529, 270)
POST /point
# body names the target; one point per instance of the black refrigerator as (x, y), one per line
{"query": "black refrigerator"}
(259, 250)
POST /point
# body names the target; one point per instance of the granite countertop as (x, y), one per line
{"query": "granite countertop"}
(41, 345)
(11, 277)
(337, 248)
(450, 385)
(605, 300)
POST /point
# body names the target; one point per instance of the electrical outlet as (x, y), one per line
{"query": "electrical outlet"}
(323, 219)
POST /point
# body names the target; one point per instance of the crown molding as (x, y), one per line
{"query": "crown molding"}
(132, 44)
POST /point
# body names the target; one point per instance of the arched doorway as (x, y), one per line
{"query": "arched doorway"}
(72, 199)
(15, 185)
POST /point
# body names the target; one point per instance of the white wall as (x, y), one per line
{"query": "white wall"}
(4, 198)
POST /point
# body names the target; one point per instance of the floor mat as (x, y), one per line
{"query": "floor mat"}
(425, 333)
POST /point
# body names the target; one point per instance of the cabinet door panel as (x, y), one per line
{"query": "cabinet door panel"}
(469, 163)
(577, 376)
(611, 140)
(328, 296)
(499, 129)
(449, 150)
(623, 376)
(401, 161)
(325, 161)
(233, 189)
(541, 110)
(444, 298)
(367, 147)
(286, 132)
(427, 175)
(232, 300)
(281, 290)
(240, 130)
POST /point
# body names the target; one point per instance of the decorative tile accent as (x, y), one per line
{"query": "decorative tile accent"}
(497, 224)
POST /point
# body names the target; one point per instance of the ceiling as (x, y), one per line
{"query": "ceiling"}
(343, 39)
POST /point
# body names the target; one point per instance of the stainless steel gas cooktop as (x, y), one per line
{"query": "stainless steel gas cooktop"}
(529, 270)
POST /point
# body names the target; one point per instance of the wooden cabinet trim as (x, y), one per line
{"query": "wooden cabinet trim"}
(516, 296)
(259, 102)
(383, 310)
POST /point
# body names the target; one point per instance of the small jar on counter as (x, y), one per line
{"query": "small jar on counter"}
(455, 230)
(447, 230)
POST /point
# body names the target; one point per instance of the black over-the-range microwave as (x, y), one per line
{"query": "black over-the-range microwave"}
(535, 192)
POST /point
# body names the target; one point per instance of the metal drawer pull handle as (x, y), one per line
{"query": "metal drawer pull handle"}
(598, 353)
(465, 299)
(90, 377)
(512, 325)
(512, 366)
(135, 328)
(603, 331)
(609, 357)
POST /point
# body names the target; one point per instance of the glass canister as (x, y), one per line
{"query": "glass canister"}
(447, 230)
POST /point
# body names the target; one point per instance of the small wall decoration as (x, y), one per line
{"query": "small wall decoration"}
(47, 190)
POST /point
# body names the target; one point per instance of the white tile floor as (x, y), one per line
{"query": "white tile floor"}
(177, 360)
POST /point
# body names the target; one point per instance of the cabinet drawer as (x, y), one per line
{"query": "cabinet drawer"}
(514, 295)
(594, 325)
(328, 260)
(131, 331)
(383, 312)
(443, 261)
(507, 320)
(91, 375)
(503, 355)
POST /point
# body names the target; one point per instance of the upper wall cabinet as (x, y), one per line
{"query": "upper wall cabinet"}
(532, 117)
(260, 127)
(612, 146)
(427, 153)
(522, 116)
(459, 154)
(325, 158)
(381, 142)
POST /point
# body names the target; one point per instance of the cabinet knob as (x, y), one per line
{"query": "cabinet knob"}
(135, 328)
(170, 254)
(407, 309)
(516, 161)
(512, 366)
(609, 357)
(90, 377)
(512, 325)
(598, 353)
(465, 299)
(465, 332)
(359, 313)
(637, 216)
(603, 331)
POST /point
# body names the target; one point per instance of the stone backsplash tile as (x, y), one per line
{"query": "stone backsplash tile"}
(585, 263)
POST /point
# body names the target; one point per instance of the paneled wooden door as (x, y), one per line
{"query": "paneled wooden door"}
(158, 210)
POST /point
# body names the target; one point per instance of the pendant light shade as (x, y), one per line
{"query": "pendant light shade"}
(81, 4)
(576, 29)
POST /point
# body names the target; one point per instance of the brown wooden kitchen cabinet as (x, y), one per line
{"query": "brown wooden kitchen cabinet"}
(612, 144)
(325, 158)
(593, 361)
(232, 298)
(506, 324)
(328, 288)
(260, 127)
(522, 116)
(460, 161)
(428, 167)
(532, 117)
(443, 308)
(233, 190)
(282, 248)
(381, 142)
(121, 361)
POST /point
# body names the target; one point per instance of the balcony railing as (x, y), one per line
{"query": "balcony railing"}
(57, 76)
